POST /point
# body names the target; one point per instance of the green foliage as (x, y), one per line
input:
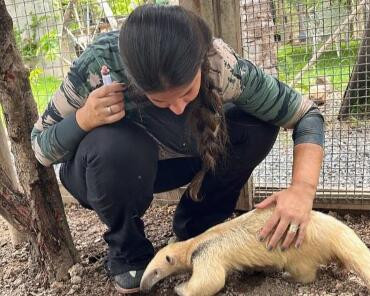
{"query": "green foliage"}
(121, 7)
(124, 7)
(28, 44)
(30, 47)
(292, 59)
(35, 75)
(43, 87)
(311, 3)
(48, 45)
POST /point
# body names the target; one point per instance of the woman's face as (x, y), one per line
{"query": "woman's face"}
(177, 98)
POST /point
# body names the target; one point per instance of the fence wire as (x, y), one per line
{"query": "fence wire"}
(320, 48)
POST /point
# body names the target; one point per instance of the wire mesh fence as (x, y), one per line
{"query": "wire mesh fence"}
(321, 48)
(318, 47)
(51, 34)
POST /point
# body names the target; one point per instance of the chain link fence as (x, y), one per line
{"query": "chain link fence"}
(321, 48)
(318, 47)
(51, 34)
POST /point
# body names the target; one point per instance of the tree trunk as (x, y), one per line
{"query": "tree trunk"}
(6, 164)
(258, 30)
(283, 22)
(348, 35)
(357, 93)
(16, 237)
(301, 11)
(39, 211)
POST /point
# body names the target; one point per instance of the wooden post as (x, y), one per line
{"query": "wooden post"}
(223, 17)
(258, 35)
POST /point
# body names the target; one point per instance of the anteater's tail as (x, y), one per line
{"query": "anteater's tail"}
(349, 249)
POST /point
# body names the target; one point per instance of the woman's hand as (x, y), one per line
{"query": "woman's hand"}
(291, 215)
(103, 106)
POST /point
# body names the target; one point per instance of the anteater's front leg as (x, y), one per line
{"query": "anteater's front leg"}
(207, 279)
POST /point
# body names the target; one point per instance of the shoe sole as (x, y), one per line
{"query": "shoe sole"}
(126, 291)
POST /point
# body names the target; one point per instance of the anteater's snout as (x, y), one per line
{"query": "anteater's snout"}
(149, 279)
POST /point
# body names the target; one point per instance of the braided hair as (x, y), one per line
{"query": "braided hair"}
(164, 47)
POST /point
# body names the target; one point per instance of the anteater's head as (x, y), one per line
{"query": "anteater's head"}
(169, 260)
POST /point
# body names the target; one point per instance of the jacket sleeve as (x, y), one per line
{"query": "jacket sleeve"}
(239, 81)
(56, 134)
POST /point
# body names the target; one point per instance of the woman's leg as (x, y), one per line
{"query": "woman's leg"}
(250, 142)
(113, 172)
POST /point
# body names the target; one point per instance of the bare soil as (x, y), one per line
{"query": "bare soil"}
(90, 278)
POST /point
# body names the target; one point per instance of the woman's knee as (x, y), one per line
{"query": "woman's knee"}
(119, 143)
(243, 127)
(251, 138)
(120, 163)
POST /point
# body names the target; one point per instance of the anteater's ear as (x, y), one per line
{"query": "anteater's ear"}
(170, 260)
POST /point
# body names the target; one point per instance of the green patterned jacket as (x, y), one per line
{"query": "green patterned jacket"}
(56, 135)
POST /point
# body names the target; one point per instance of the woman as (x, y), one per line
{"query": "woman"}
(185, 109)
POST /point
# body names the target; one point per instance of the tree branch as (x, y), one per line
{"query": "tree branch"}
(315, 58)
(13, 205)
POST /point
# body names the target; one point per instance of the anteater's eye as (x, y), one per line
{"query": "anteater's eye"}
(168, 258)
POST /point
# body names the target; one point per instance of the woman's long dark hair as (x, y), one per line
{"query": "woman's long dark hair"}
(163, 47)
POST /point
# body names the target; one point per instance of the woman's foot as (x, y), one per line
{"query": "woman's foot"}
(128, 282)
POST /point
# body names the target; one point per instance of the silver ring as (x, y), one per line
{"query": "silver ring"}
(110, 109)
(293, 228)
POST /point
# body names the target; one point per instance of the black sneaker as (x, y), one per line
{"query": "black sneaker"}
(128, 282)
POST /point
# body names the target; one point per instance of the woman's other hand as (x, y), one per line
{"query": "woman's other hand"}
(103, 106)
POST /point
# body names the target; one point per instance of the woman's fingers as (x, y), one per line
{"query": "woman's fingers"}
(269, 226)
(110, 100)
(104, 105)
(301, 235)
(113, 109)
(290, 235)
(278, 234)
(266, 202)
(105, 90)
(115, 117)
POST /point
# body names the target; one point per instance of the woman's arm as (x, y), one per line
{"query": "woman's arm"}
(261, 95)
(56, 134)
(294, 204)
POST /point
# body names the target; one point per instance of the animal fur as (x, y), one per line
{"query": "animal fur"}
(320, 91)
(234, 245)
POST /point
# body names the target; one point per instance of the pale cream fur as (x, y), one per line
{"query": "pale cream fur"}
(234, 245)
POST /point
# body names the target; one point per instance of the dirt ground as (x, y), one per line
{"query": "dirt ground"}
(90, 278)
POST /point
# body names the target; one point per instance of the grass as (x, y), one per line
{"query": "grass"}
(292, 58)
(43, 88)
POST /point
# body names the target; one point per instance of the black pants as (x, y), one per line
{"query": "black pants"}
(116, 170)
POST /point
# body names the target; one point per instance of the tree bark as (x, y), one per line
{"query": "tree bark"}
(39, 211)
(258, 30)
(7, 165)
(302, 35)
(357, 93)
(222, 17)
(283, 22)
